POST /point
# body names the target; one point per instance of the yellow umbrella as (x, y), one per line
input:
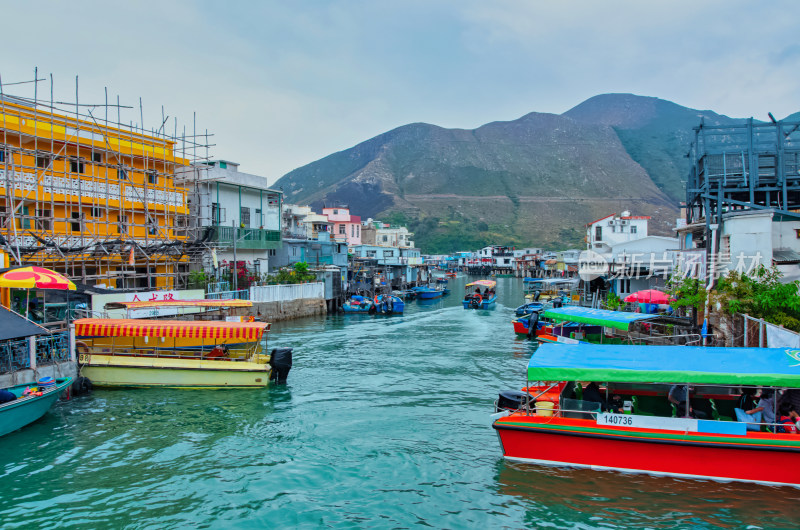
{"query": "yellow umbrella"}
(35, 278)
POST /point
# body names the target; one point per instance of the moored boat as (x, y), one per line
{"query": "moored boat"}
(478, 299)
(386, 304)
(176, 353)
(27, 408)
(430, 293)
(358, 304)
(646, 435)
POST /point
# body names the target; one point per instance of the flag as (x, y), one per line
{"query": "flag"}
(130, 257)
(214, 258)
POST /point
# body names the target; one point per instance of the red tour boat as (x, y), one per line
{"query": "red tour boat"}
(634, 428)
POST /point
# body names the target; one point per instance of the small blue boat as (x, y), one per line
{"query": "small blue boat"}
(429, 293)
(441, 280)
(530, 307)
(24, 410)
(478, 299)
(386, 304)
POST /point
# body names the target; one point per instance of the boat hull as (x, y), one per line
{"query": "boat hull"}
(140, 371)
(485, 304)
(18, 413)
(765, 459)
(428, 295)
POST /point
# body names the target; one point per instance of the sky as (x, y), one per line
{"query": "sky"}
(282, 84)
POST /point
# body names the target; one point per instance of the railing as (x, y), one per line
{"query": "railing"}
(15, 355)
(51, 349)
(218, 286)
(247, 238)
(285, 293)
(201, 352)
(241, 294)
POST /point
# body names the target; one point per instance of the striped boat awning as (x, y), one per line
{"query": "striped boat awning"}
(179, 303)
(105, 327)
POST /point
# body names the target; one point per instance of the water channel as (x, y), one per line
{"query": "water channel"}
(384, 424)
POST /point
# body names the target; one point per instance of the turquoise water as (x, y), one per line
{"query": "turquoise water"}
(384, 423)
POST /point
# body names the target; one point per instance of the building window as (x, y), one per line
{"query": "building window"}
(122, 173)
(342, 230)
(259, 219)
(271, 252)
(2, 156)
(385, 239)
(152, 177)
(122, 227)
(245, 217)
(44, 220)
(358, 231)
(216, 214)
(97, 211)
(598, 233)
(77, 166)
(152, 227)
(371, 253)
(97, 158)
(76, 223)
(388, 253)
(42, 161)
(633, 229)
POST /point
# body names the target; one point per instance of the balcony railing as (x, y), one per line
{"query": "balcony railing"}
(247, 238)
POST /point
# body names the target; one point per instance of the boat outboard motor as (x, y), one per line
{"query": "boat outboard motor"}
(557, 303)
(81, 386)
(475, 301)
(510, 400)
(533, 323)
(281, 362)
(536, 296)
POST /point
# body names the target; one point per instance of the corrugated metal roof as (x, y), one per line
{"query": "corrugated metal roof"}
(784, 255)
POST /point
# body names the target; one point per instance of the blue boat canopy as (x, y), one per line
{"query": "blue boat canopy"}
(597, 317)
(666, 364)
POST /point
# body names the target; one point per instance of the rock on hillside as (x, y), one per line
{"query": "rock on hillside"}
(656, 133)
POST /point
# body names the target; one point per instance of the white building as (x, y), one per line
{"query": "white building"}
(236, 207)
(613, 229)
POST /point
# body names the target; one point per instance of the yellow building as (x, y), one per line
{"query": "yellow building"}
(91, 200)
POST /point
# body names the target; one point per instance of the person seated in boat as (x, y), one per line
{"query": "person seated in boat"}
(678, 396)
(766, 406)
(6, 396)
(788, 419)
(220, 350)
(591, 392)
(747, 400)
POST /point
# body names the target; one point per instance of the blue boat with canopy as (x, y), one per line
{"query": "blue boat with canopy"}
(478, 299)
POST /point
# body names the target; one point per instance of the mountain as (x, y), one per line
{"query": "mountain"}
(656, 133)
(532, 181)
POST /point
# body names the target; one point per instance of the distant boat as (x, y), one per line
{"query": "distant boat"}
(477, 300)
(429, 293)
(25, 410)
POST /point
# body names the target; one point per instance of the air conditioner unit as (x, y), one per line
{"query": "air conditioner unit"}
(623, 222)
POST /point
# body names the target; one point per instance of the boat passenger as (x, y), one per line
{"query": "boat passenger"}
(747, 401)
(6, 396)
(678, 395)
(592, 393)
(767, 405)
(788, 419)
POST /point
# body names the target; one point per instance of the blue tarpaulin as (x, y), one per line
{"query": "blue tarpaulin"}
(666, 364)
(597, 317)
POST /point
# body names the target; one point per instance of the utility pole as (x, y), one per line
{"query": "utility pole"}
(235, 263)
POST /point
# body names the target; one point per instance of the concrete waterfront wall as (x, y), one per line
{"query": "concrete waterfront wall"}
(285, 310)
(62, 369)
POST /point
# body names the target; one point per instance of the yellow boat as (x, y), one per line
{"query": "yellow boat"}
(172, 353)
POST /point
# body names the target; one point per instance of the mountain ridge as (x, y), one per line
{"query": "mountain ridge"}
(535, 180)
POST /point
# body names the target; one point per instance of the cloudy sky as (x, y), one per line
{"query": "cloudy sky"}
(281, 84)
